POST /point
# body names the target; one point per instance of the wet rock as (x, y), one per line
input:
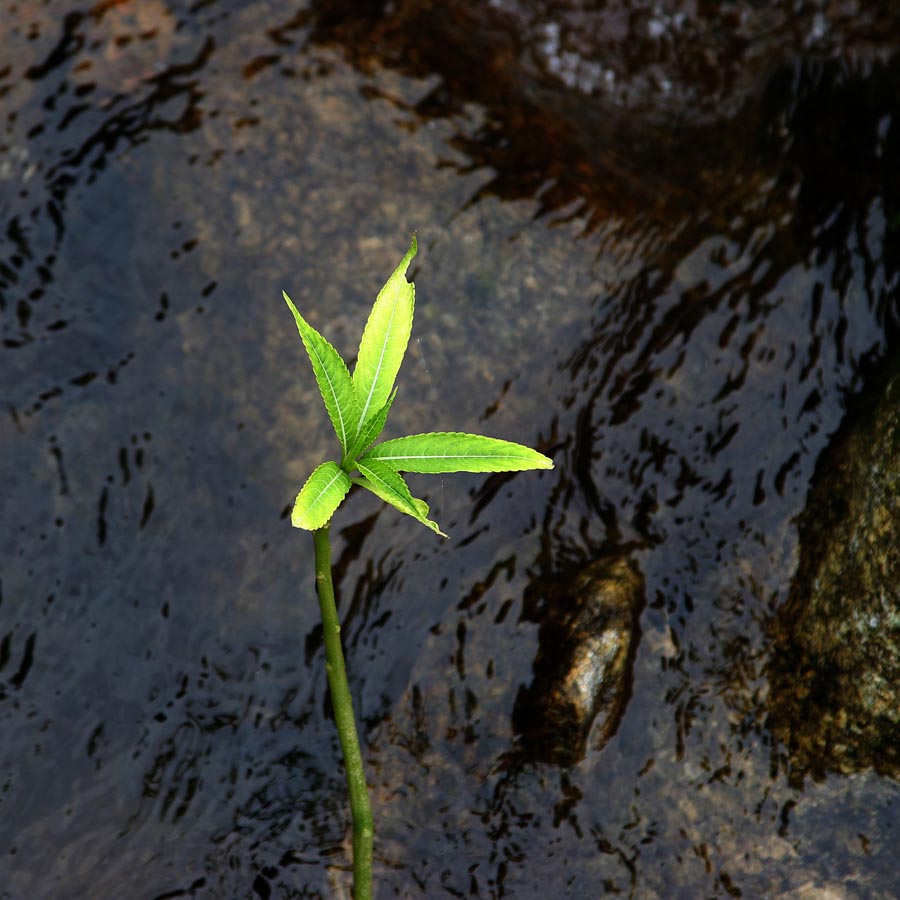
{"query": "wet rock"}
(563, 87)
(582, 671)
(835, 674)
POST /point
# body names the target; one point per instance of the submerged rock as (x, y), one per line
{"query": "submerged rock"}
(582, 672)
(835, 672)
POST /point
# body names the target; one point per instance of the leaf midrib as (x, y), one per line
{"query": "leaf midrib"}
(384, 343)
(334, 394)
(374, 476)
(324, 490)
(492, 456)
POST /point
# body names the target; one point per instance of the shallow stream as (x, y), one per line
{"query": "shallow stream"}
(657, 241)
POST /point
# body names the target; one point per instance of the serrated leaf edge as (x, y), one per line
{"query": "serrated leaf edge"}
(310, 506)
(399, 272)
(417, 509)
(543, 462)
(343, 431)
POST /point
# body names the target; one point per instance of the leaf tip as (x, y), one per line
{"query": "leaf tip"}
(433, 526)
(413, 250)
(293, 309)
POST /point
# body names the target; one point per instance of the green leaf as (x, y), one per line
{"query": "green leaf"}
(320, 496)
(333, 379)
(370, 430)
(384, 341)
(453, 451)
(385, 482)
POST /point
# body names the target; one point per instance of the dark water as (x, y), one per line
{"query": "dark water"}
(659, 243)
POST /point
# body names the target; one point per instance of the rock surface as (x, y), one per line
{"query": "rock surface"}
(582, 671)
(835, 674)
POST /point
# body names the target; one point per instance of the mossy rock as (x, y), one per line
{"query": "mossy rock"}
(835, 670)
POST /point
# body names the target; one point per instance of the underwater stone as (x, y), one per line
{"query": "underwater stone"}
(582, 671)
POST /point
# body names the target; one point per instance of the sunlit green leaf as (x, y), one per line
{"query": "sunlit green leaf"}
(320, 496)
(384, 341)
(453, 451)
(371, 429)
(333, 379)
(387, 483)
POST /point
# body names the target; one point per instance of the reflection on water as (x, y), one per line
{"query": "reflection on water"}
(663, 239)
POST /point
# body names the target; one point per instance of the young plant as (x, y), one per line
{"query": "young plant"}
(358, 406)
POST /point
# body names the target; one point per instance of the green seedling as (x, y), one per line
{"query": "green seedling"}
(358, 406)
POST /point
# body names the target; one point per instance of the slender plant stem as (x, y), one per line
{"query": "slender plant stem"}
(342, 704)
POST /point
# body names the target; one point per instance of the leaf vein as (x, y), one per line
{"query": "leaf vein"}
(334, 395)
(384, 343)
(489, 456)
(324, 490)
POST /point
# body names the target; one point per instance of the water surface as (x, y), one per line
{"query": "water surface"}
(659, 245)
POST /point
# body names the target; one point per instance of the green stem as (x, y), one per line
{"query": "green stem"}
(342, 704)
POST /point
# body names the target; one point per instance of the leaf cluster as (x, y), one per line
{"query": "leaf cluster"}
(358, 406)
